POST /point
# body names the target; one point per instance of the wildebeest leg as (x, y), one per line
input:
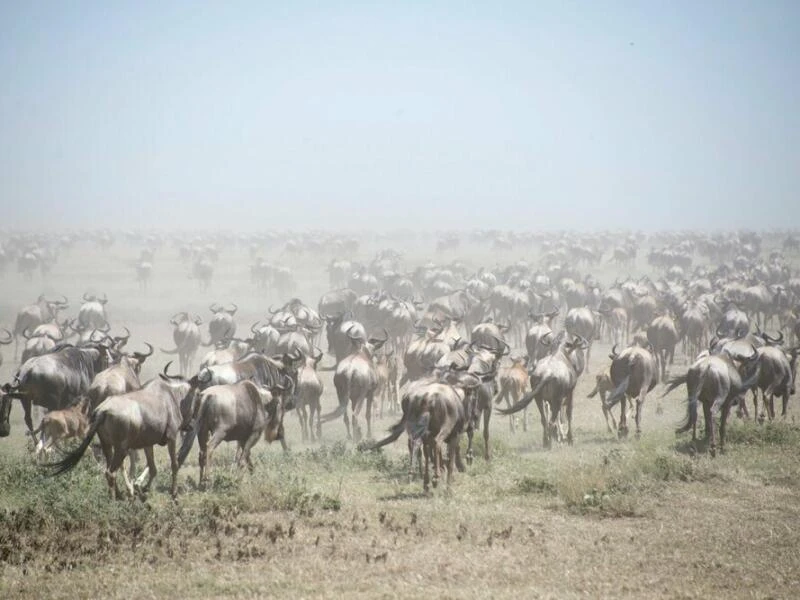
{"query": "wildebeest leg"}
(174, 466)
(487, 413)
(303, 417)
(784, 402)
(202, 447)
(150, 473)
(436, 451)
(639, 404)
(623, 417)
(426, 478)
(545, 431)
(26, 406)
(771, 405)
(710, 435)
(346, 418)
(213, 442)
(723, 420)
(316, 407)
(368, 416)
(452, 454)
(568, 407)
(117, 457)
(247, 445)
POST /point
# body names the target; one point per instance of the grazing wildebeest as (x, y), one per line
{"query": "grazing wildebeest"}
(715, 381)
(512, 383)
(356, 381)
(56, 380)
(240, 413)
(553, 383)
(64, 424)
(634, 373)
(186, 335)
(309, 392)
(137, 420)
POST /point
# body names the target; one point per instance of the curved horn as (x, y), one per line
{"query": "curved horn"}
(167, 375)
(141, 355)
(273, 312)
(719, 333)
(120, 338)
(174, 319)
(63, 302)
(547, 335)
(198, 320)
(347, 333)
(614, 353)
(232, 311)
(777, 341)
(254, 327)
(214, 307)
(25, 334)
(87, 298)
(9, 339)
(504, 343)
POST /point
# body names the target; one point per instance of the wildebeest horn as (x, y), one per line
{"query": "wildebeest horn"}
(614, 353)
(141, 355)
(719, 332)
(25, 334)
(777, 341)
(120, 338)
(166, 374)
(64, 302)
(215, 307)
(232, 311)
(198, 320)
(504, 343)
(347, 333)
(174, 319)
(87, 298)
(273, 312)
(10, 337)
(544, 337)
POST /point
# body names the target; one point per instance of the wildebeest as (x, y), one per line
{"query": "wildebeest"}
(715, 381)
(512, 382)
(118, 379)
(56, 380)
(238, 412)
(775, 378)
(30, 317)
(339, 330)
(60, 425)
(634, 373)
(308, 393)
(433, 416)
(580, 322)
(137, 420)
(92, 314)
(186, 335)
(221, 326)
(553, 382)
(603, 386)
(356, 381)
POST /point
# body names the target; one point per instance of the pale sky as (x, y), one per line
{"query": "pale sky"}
(516, 115)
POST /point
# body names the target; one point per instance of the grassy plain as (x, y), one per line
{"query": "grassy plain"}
(600, 519)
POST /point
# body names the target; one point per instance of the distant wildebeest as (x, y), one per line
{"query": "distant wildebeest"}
(309, 391)
(92, 314)
(221, 326)
(186, 335)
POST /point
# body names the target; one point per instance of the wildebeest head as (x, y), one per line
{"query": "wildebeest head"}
(140, 357)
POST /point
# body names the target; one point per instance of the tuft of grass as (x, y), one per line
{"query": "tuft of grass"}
(776, 433)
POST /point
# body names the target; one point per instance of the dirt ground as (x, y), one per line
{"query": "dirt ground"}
(601, 519)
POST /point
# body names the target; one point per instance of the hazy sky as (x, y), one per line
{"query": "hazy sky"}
(291, 114)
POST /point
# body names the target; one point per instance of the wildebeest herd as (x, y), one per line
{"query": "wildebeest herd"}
(438, 345)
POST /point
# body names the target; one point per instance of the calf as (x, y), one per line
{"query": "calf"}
(60, 425)
(513, 382)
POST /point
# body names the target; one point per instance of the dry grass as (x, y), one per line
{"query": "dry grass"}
(603, 518)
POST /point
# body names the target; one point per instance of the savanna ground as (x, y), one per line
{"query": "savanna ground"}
(602, 518)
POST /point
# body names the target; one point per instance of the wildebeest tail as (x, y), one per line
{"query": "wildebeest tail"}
(674, 382)
(394, 433)
(198, 413)
(594, 392)
(524, 401)
(74, 457)
(691, 406)
(338, 412)
(618, 392)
